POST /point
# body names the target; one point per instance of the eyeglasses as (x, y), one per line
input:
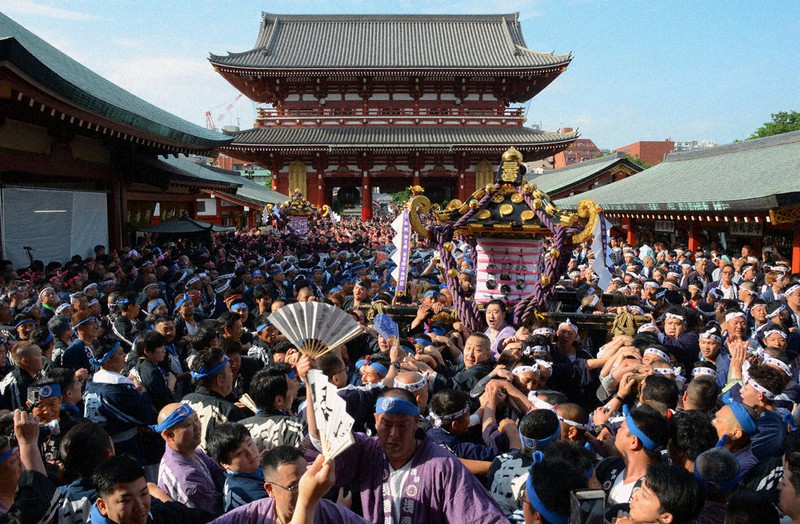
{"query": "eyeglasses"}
(290, 489)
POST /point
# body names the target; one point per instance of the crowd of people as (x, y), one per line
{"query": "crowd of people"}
(149, 385)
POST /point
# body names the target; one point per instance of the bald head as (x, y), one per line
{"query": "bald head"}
(408, 377)
(167, 411)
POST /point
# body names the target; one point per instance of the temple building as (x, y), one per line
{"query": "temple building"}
(366, 102)
(745, 193)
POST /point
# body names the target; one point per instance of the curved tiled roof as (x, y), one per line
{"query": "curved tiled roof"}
(751, 175)
(393, 136)
(85, 89)
(556, 180)
(324, 42)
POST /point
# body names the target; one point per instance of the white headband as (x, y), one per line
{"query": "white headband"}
(533, 350)
(657, 352)
(645, 327)
(774, 331)
(439, 420)
(776, 312)
(758, 387)
(733, 314)
(62, 307)
(652, 284)
(673, 315)
(544, 331)
(414, 386)
(779, 364)
(668, 371)
(544, 364)
(519, 370)
(791, 289)
(702, 370)
(568, 325)
(710, 335)
(586, 427)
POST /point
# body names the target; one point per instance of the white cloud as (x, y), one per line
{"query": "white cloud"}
(29, 7)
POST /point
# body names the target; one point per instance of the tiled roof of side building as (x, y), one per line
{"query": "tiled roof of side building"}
(87, 90)
(390, 41)
(406, 136)
(753, 175)
(563, 178)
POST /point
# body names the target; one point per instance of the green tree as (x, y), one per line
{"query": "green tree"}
(401, 197)
(782, 122)
(638, 161)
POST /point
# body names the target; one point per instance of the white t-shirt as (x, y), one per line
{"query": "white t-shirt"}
(397, 479)
(621, 493)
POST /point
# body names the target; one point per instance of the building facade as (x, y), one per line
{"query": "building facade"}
(365, 102)
(651, 153)
(579, 151)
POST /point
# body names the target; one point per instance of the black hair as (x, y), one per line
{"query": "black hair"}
(767, 377)
(260, 292)
(208, 359)
(644, 340)
(64, 377)
(205, 335)
(746, 507)
(119, 469)
(677, 491)
(278, 456)
(553, 480)
(661, 389)
(82, 450)
(282, 347)
(39, 335)
(581, 457)
(151, 340)
(269, 383)
(128, 300)
(702, 392)
(499, 303)
(653, 425)
(448, 402)
(224, 439)
(552, 397)
(330, 364)
(717, 466)
(58, 325)
(692, 433)
(539, 424)
(231, 347)
(101, 346)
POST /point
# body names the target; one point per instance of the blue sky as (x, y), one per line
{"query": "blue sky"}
(643, 70)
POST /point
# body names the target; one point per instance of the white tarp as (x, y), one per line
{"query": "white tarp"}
(56, 224)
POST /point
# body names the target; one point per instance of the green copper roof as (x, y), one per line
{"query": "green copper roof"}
(558, 180)
(755, 175)
(87, 90)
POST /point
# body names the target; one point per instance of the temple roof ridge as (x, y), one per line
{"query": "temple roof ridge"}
(442, 42)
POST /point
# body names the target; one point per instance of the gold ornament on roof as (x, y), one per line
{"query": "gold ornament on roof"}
(511, 161)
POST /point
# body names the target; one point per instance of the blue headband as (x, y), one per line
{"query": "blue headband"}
(182, 302)
(439, 331)
(257, 272)
(744, 419)
(23, 321)
(396, 406)
(238, 305)
(108, 354)
(204, 373)
(181, 413)
(533, 498)
(377, 366)
(423, 341)
(36, 394)
(7, 454)
(263, 326)
(431, 294)
(647, 442)
(155, 304)
(540, 443)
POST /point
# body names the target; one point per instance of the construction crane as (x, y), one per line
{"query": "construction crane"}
(211, 123)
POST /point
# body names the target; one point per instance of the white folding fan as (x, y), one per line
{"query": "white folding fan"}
(315, 328)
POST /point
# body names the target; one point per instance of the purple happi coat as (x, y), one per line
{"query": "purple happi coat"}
(263, 512)
(439, 489)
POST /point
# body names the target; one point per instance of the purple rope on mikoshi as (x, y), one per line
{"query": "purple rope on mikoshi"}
(467, 311)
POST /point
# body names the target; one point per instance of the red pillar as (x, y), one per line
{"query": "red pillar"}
(796, 248)
(694, 240)
(366, 197)
(630, 224)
